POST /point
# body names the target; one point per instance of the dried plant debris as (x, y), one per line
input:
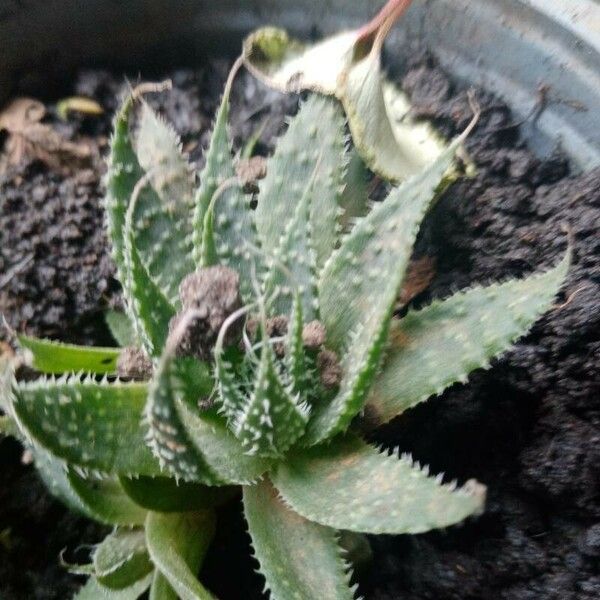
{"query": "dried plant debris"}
(31, 139)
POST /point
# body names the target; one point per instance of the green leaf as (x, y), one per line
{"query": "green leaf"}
(91, 424)
(8, 427)
(149, 309)
(124, 171)
(56, 357)
(298, 558)
(105, 500)
(354, 200)
(273, 419)
(54, 474)
(312, 149)
(432, 348)
(293, 268)
(219, 167)
(161, 494)
(121, 328)
(229, 235)
(160, 589)
(122, 559)
(193, 445)
(372, 262)
(295, 357)
(93, 590)
(162, 221)
(351, 485)
(347, 65)
(230, 220)
(177, 544)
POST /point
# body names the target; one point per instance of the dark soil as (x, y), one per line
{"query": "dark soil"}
(529, 427)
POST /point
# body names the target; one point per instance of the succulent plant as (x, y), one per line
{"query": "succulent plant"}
(261, 341)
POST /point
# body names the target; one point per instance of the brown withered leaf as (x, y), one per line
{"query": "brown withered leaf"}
(419, 275)
(29, 139)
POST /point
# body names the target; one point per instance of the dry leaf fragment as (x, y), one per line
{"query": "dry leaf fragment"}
(29, 138)
(419, 275)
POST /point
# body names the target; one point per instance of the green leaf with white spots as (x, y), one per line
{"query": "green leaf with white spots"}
(122, 559)
(94, 425)
(177, 544)
(124, 172)
(312, 149)
(93, 590)
(171, 388)
(162, 221)
(121, 328)
(231, 221)
(298, 558)
(293, 268)
(54, 474)
(105, 500)
(354, 200)
(295, 356)
(351, 485)
(432, 348)
(194, 445)
(372, 262)
(162, 494)
(149, 309)
(229, 236)
(273, 418)
(56, 357)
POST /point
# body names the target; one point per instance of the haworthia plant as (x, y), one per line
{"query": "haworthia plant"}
(262, 342)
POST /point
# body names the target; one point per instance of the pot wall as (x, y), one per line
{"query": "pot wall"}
(510, 47)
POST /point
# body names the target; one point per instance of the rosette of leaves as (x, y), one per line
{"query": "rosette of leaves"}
(261, 338)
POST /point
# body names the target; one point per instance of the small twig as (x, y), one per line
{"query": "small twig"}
(570, 297)
(15, 270)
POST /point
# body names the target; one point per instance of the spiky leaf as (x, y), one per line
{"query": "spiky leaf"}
(162, 220)
(93, 590)
(87, 423)
(122, 559)
(294, 266)
(298, 558)
(149, 309)
(351, 485)
(311, 150)
(124, 172)
(441, 344)
(192, 444)
(54, 474)
(372, 260)
(105, 500)
(177, 544)
(56, 357)
(272, 419)
(161, 494)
